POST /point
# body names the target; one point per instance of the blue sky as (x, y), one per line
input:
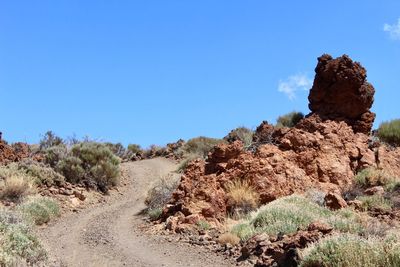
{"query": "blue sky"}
(150, 72)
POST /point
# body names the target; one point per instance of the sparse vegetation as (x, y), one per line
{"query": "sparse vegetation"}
(288, 214)
(15, 184)
(372, 177)
(134, 148)
(203, 225)
(201, 146)
(352, 251)
(375, 202)
(92, 164)
(18, 245)
(161, 193)
(185, 162)
(228, 238)
(41, 174)
(40, 209)
(289, 120)
(50, 139)
(242, 197)
(389, 132)
(242, 134)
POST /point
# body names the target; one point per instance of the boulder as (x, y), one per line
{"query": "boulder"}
(341, 92)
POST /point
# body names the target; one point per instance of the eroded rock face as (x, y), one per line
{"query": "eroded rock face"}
(341, 92)
(315, 154)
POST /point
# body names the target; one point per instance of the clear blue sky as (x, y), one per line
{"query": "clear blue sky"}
(154, 71)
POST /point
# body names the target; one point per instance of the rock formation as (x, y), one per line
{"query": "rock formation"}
(323, 151)
(341, 92)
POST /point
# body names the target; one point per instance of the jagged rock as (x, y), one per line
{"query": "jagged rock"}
(341, 92)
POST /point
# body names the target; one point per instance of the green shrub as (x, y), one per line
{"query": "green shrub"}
(201, 146)
(72, 169)
(134, 148)
(154, 214)
(54, 154)
(40, 209)
(203, 225)
(372, 177)
(18, 245)
(352, 251)
(92, 164)
(242, 134)
(118, 149)
(41, 174)
(50, 139)
(389, 132)
(375, 202)
(290, 119)
(161, 192)
(288, 214)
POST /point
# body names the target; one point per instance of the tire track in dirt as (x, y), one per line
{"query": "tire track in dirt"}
(107, 235)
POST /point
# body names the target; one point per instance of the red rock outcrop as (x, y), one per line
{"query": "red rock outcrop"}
(323, 151)
(16, 152)
(325, 156)
(341, 92)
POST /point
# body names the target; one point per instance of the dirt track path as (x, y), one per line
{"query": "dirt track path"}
(106, 235)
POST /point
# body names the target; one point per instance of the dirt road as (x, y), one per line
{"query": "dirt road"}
(107, 234)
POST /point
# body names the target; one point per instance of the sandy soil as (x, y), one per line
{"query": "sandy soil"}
(107, 234)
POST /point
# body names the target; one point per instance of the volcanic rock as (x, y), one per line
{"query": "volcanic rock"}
(341, 92)
(13, 153)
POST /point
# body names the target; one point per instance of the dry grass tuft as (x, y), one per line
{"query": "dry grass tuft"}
(15, 187)
(228, 238)
(242, 197)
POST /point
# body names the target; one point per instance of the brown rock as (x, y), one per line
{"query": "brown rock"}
(79, 195)
(375, 190)
(341, 92)
(335, 201)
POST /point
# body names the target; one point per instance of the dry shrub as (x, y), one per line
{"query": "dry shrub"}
(160, 194)
(228, 238)
(241, 197)
(15, 187)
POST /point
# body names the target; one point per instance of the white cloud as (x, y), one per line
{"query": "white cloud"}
(393, 30)
(294, 83)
